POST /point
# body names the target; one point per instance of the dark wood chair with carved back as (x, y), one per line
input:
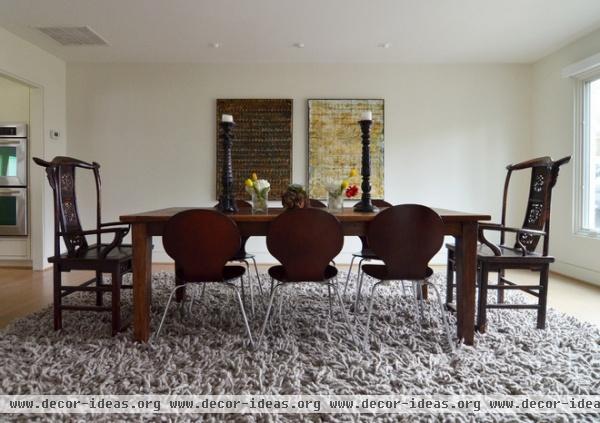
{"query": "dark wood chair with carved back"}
(365, 254)
(304, 241)
(405, 238)
(524, 253)
(113, 258)
(201, 242)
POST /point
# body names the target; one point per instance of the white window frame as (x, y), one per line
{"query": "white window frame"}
(581, 125)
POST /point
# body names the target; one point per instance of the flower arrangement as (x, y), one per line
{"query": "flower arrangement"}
(259, 190)
(346, 187)
(352, 190)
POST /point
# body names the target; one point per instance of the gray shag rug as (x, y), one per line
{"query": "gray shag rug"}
(205, 352)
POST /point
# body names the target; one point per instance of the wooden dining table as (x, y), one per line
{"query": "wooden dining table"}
(462, 226)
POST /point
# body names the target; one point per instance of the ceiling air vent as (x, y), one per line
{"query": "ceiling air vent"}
(74, 35)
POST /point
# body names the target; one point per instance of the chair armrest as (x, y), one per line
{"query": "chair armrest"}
(501, 228)
(95, 231)
(481, 238)
(117, 240)
(113, 224)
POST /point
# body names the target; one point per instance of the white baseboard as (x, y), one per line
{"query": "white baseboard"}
(577, 272)
(25, 264)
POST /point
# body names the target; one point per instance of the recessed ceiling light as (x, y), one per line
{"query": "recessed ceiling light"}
(384, 45)
(299, 45)
(215, 45)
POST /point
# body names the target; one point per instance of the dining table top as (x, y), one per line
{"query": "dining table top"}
(245, 215)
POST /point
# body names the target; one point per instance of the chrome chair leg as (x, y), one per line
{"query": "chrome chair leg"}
(167, 308)
(344, 314)
(242, 310)
(267, 315)
(270, 314)
(444, 317)
(192, 301)
(348, 276)
(250, 287)
(249, 278)
(260, 288)
(370, 311)
(243, 290)
(358, 289)
(418, 292)
(330, 301)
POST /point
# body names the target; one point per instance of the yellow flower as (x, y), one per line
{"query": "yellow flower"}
(353, 173)
(345, 184)
(248, 183)
(254, 177)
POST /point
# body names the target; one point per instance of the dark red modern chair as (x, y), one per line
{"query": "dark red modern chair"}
(405, 238)
(304, 241)
(114, 257)
(201, 242)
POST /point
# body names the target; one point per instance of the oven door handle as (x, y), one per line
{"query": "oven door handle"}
(9, 191)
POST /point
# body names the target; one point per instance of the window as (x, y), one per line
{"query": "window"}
(587, 218)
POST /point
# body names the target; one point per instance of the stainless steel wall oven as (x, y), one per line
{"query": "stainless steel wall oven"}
(13, 179)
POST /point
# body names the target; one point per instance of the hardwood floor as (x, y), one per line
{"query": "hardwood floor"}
(24, 291)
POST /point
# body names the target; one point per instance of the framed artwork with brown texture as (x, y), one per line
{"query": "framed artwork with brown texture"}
(262, 143)
(334, 143)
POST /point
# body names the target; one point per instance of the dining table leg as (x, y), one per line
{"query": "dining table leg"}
(466, 271)
(142, 281)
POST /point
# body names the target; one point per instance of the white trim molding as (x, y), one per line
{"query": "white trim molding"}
(582, 73)
(591, 63)
(577, 272)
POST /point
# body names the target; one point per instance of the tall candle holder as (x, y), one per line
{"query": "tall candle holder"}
(365, 205)
(227, 198)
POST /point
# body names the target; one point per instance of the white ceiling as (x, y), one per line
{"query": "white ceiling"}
(420, 31)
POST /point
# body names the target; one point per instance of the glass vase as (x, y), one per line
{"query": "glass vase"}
(260, 203)
(335, 203)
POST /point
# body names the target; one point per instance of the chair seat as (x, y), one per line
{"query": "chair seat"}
(92, 253)
(233, 272)
(509, 255)
(379, 271)
(366, 253)
(229, 273)
(242, 255)
(278, 273)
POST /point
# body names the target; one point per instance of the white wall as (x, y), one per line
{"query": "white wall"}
(449, 129)
(45, 73)
(552, 134)
(14, 101)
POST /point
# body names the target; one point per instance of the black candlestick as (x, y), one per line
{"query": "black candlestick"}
(365, 205)
(227, 198)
